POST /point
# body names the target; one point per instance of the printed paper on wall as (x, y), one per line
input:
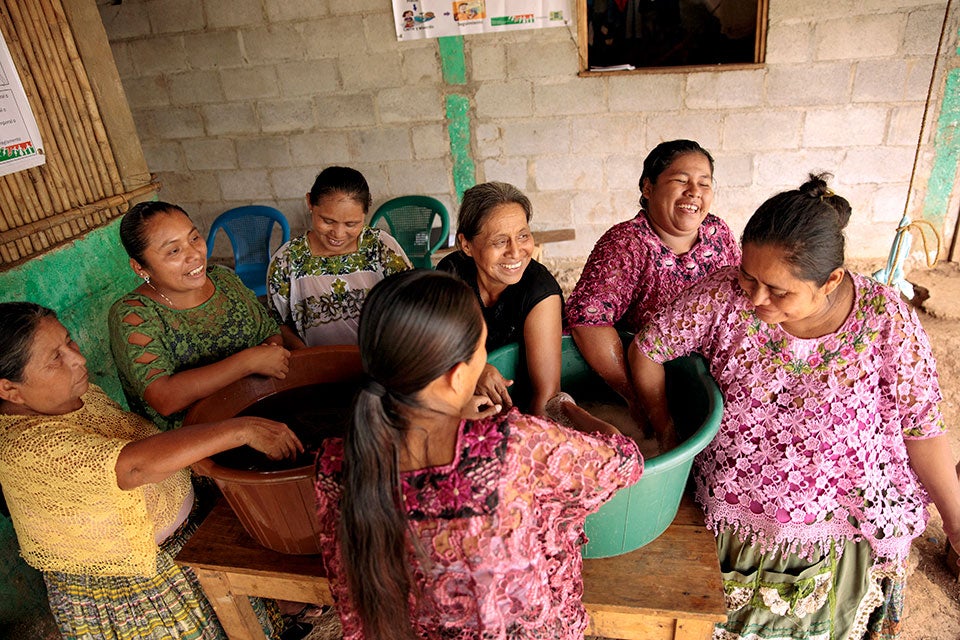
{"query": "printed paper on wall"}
(418, 19)
(20, 145)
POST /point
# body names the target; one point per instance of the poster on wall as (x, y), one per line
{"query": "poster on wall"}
(418, 19)
(20, 145)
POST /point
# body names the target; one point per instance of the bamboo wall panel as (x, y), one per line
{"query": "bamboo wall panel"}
(80, 187)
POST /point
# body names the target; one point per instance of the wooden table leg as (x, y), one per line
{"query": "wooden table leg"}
(235, 613)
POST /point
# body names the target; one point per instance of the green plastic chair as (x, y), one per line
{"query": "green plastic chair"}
(411, 220)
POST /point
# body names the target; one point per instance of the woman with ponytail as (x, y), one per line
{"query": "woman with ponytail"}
(831, 442)
(439, 526)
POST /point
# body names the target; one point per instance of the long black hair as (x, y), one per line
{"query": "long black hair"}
(414, 327)
(345, 180)
(133, 226)
(807, 223)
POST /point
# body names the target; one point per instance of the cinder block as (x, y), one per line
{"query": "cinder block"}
(430, 141)
(844, 127)
(209, 154)
(346, 110)
(294, 183)
(421, 65)
(536, 137)
(645, 92)
(919, 72)
(789, 43)
(779, 170)
(487, 62)
(162, 156)
(381, 144)
(190, 186)
(542, 59)
(308, 78)
(327, 37)
(195, 87)
(213, 50)
(248, 185)
(602, 134)
(146, 91)
(704, 127)
(621, 172)
(810, 84)
(510, 170)
(319, 148)
(489, 143)
(857, 37)
(922, 34)
(122, 55)
(175, 16)
(250, 83)
(380, 34)
(283, 10)
(879, 80)
(425, 176)
(726, 89)
(905, 124)
(577, 96)
(146, 60)
(236, 13)
(363, 71)
(286, 115)
(272, 43)
(594, 212)
(732, 170)
(551, 210)
(172, 123)
(887, 207)
(347, 7)
(410, 104)
(568, 172)
(122, 21)
(229, 118)
(266, 152)
(511, 99)
(878, 165)
(735, 205)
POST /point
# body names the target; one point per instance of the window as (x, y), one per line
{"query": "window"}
(623, 35)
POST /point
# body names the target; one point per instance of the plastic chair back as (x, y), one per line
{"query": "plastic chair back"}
(249, 229)
(411, 220)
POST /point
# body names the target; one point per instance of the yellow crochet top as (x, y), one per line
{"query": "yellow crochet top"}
(58, 474)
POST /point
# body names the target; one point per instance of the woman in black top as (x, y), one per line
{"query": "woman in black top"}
(521, 300)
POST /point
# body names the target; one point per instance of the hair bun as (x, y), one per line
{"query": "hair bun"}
(816, 187)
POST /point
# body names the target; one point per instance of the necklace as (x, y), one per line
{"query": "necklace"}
(160, 293)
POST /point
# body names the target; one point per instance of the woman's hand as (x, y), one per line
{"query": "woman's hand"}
(269, 360)
(272, 438)
(479, 407)
(494, 386)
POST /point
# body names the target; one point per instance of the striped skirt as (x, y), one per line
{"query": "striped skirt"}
(170, 604)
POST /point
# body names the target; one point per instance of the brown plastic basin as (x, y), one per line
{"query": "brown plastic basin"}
(277, 508)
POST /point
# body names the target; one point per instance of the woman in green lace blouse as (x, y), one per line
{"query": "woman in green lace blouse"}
(190, 329)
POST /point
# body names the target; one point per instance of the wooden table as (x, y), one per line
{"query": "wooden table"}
(668, 590)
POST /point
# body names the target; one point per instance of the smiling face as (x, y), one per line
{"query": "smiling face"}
(779, 297)
(502, 249)
(680, 199)
(335, 224)
(54, 378)
(175, 257)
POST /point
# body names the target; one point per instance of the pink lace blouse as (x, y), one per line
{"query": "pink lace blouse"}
(811, 445)
(631, 274)
(502, 525)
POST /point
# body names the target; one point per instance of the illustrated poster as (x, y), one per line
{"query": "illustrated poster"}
(418, 19)
(20, 145)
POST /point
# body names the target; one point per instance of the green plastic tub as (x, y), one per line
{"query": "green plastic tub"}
(635, 515)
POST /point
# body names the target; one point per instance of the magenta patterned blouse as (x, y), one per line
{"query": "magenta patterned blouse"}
(631, 274)
(811, 445)
(502, 525)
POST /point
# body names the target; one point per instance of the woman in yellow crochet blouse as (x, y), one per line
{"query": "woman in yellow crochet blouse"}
(100, 499)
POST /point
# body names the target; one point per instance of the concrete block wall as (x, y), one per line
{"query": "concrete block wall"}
(242, 102)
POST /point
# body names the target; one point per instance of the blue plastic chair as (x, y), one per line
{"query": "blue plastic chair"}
(249, 229)
(411, 220)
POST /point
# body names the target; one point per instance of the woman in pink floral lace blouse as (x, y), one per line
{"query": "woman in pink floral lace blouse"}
(438, 527)
(831, 443)
(639, 265)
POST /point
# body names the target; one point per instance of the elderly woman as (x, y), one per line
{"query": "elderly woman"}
(188, 330)
(521, 300)
(640, 265)
(100, 499)
(831, 442)
(318, 281)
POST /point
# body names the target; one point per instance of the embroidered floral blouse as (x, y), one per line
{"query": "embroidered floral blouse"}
(502, 525)
(631, 274)
(811, 445)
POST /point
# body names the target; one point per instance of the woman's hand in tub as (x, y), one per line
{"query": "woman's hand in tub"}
(269, 360)
(479, 407)
(274, 439)
(494, 386)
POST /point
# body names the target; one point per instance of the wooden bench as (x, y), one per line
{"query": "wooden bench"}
(667, 590)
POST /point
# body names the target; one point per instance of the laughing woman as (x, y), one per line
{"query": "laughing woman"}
(521, 300)
(100, 500)
(190, 329)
